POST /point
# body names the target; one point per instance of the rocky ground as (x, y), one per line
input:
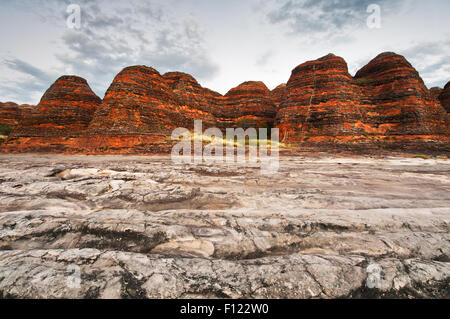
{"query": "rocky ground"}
(143, 227)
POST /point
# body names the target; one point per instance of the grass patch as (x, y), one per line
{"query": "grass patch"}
(214, 140)
(425, 157)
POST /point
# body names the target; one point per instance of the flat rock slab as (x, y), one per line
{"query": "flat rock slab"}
(144, 227)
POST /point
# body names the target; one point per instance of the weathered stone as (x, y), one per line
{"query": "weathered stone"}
(396, 101)
(12, 113)
(247, 105)
(322, 103)
(142, 227)
(444, 97)
(64, 112)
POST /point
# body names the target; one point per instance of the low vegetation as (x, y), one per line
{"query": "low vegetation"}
(5, 129)
(425, 157)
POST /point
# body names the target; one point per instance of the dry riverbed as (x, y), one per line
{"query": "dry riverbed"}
(143, 227)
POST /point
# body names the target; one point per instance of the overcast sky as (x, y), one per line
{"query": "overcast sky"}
(222, 43)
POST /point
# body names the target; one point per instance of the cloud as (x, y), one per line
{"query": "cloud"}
(323, 17)
(431, 59)
(32, 83)
(264, 59)
(117, 34)
(135, 33)
(26, 68)
(219, 43)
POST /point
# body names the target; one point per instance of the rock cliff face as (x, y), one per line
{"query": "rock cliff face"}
(141, 109)
(436, 92)
(279, 94)
(396, 102)
(12, 113)
(64, 112)
(197, 103)
(386, 100)
(444, 97)
(322, 102)
(138, 101)
(247, 105)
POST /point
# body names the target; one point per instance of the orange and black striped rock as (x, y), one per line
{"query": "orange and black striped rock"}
(444, 97)
(12, 113)
(64, 112)
(279, 94)
(435, 92)
(197, 103)
(139, 101)
(322, 103)
(385, 100)
(141, 109)
(395, 101)
(247, 105)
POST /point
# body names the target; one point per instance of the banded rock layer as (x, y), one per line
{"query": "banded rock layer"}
(64, 112)
(247, 105)
(395, 100)
(12, 113)
(322, 101)
(444, 97)
(386, 99)
(142, 108)
(321, 104)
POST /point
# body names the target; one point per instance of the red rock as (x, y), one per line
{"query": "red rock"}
(322, 103)
(279, 94)
(444, 97)
(12, 113)
(386, 100)
(139, 101)
(247, 105)
(396, 101)
(64, 112)
(199, 103)
(141, 109)
(435, 92)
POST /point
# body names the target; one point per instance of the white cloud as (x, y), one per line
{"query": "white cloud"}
(221, 43)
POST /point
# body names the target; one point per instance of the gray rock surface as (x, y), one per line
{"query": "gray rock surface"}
(143, 227)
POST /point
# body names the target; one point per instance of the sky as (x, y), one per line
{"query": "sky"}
(222, 43)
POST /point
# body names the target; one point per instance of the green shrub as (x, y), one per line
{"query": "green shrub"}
(5, 129)
(363, 81)
(245, 123)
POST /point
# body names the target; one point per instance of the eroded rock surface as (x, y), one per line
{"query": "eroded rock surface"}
(64, 113)
(444, 97)
(385, 106)
(249, 105)
(143, 227)
(386, 101)
(12, 113)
